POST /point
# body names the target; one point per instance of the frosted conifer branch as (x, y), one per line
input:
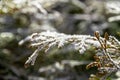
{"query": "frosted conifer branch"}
(46, 40)
(107, 47)
(106, 58)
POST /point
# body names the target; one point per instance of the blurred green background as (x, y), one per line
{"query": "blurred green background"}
(20, 18)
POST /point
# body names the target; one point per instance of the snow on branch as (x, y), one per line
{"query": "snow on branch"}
(48, 39)
(107, 48)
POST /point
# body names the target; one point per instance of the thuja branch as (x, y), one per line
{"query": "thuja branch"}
(107, 47)
(107, 64)
(104, 47)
